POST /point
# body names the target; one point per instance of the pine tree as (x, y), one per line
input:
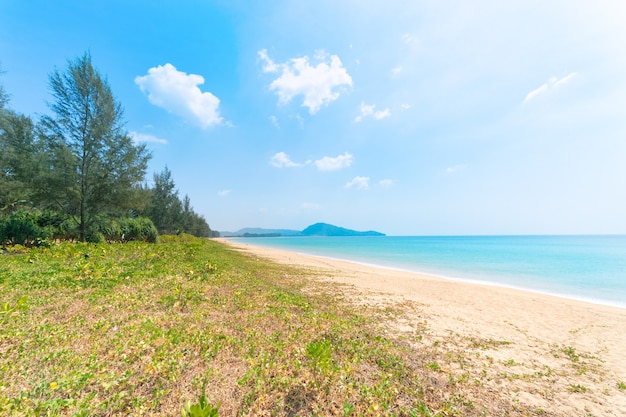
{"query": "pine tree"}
(93, 167)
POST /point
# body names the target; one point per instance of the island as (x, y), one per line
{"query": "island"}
(317, 229)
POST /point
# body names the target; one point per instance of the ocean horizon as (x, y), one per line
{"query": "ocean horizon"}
(589, 268)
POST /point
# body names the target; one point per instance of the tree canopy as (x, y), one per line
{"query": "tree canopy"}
(85, 139)
(82, 168)
(169, 214)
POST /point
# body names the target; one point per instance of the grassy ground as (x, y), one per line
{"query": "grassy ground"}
(141, 329)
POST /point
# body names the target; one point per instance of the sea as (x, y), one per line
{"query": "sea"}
(586, 268)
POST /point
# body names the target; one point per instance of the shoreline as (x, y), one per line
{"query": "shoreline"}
(540, 334)
(450, 278)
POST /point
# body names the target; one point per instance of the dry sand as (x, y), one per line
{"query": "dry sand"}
(562, 356)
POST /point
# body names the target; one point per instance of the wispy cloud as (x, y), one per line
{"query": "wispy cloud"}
(282, 160)
(318, 84)
(178, 93)
(386, 183)
(552, 83)
(145, 137)
(332, 164)
(456, 168)
(223, 193)
(361, 183)
(274, 121)
(268, 64)
(369, 111)
(410, 39)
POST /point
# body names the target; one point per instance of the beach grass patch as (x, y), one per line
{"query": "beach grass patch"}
(577, 388)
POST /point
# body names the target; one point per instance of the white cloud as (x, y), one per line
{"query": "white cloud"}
(405, 106)
(178, 93)
(269, 65)
(535, 93)
(552, 83)
(281, 160)
(564, 80)
(223, 193)
(410, 39)
(318, 84)
(145, 137)
(331, 164)
(386, 183)
(361, 183)
(396, 71)
(274, 121)
(369, 111)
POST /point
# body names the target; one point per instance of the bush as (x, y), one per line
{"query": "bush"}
(138, 228)
(110, 230)
(181, 238)
(68, 230)
(21, 228)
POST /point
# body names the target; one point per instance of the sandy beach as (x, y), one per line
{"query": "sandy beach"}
(562, 356)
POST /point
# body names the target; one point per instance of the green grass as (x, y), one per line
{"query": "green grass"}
(141, 329)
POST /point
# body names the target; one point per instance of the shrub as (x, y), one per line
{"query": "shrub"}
(21, 228)
(181, 238)
(138, 228)
(68, 230)
(111, 230)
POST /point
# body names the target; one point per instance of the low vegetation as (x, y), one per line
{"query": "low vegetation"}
(188, 326)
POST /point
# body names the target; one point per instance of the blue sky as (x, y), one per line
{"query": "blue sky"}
(407, 117)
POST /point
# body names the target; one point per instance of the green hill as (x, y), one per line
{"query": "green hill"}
(324, 229)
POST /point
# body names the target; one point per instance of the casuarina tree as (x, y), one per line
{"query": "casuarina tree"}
(93, 169)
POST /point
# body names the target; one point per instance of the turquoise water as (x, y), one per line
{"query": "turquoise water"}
(590, 268)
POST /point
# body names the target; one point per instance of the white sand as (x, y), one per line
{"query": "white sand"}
(564, 356)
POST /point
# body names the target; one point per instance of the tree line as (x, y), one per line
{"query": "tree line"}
(76, 174)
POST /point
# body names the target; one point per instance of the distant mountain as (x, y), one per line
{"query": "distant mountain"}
(260, 232)
(317, 229)
(324, 229)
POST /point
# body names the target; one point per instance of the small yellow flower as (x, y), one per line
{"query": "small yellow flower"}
(53, 386)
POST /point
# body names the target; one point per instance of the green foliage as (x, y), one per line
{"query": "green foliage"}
(319, 353)
(200, 409)
(180, 238)
(577, 388)
(93, 167)
(82, 170)
(138, 229)
(7, 309)
(434, 366)
(68, 230)
(20, 162)
(171, 215)
(21, 228)
(126, 329)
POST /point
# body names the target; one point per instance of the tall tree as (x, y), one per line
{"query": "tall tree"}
(165, 208)
(19, 152)
(20, 156)
(94, 168)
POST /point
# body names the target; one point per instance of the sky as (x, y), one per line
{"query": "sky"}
(416, 117)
